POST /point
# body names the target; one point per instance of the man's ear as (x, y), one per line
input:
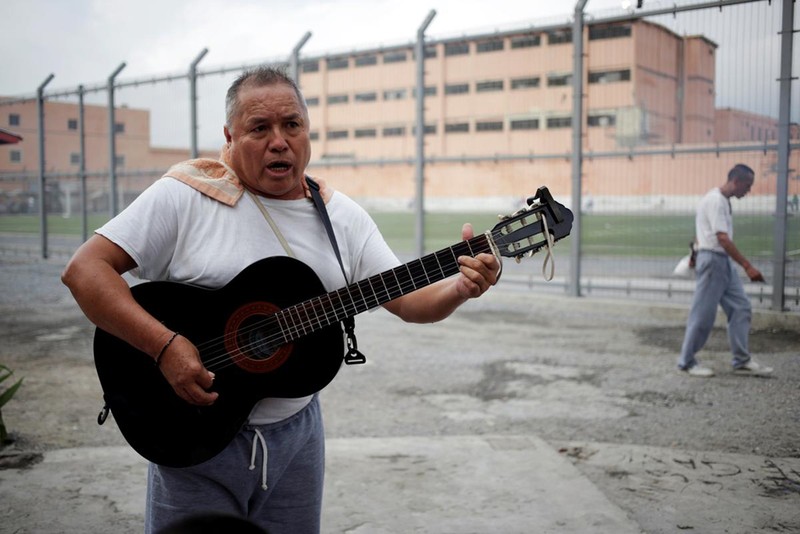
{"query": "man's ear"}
(227, 134)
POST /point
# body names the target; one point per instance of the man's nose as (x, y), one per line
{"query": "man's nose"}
(277, 141)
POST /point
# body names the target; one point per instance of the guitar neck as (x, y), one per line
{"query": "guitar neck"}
(319, 312)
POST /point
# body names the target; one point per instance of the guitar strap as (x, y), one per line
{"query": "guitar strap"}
(353, 356)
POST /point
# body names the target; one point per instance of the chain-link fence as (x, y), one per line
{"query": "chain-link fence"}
(670, 96)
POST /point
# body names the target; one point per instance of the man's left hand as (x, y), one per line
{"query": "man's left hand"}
(478, 274)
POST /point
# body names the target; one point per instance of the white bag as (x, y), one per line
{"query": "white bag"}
(683, 270)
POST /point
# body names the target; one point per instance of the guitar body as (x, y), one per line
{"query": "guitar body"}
(238, 339)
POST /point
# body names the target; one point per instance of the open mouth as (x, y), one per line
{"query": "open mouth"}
(279, 166)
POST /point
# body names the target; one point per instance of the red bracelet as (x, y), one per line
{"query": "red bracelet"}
(164, 348)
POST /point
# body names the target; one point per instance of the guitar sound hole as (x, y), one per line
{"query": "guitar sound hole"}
(253, 340)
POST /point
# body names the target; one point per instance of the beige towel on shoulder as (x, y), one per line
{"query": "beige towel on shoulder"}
(214, 178)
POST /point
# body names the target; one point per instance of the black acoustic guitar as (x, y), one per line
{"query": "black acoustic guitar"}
(272, 331)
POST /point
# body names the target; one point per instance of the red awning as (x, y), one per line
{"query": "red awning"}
(9, 138)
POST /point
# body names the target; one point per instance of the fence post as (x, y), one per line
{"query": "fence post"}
(112, 144)
(42, 180)
(782, 188)
(193, 101)
(419, 48)
(577, 148)
(294, 59)
(82, 168)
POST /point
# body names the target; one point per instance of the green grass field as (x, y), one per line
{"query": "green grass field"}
(603, 234)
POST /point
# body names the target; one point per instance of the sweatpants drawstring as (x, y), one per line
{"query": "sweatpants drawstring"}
(258, 437)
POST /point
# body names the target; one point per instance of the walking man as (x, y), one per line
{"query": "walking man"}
(718, 282)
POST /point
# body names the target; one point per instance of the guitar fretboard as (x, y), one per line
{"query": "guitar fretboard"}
(319, 312)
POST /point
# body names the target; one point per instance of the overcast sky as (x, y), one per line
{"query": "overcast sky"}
(83, 41)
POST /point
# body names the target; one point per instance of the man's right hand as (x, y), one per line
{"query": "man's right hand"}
(181, 366)
(754, 274)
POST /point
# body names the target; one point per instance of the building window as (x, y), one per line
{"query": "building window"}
(395, 94)
(312, 101)
(525, 83)
(336, 134)
(525, 124)
(610, 76)
(119, 127)
(559, 122)
(609, 31)
(526, 41)
(310, 66)
(313, 135)
(430, 52)
(15, 156)
(338, 99)
(456, 89)
(366, 97)
(489, 85)
(429, 91)
(72, 124)
(456, 49)
(394, 131)
(558, 80)
(456, 127)
(13, 119)
(489, 46)
(75, 158)
(366, 132)
(489, 126)
(394, 57)
(429, 129)
(336, 63)
(601, 119)
(365, 61)
(559, 36)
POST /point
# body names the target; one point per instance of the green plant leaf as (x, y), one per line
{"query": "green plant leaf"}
(7, 394)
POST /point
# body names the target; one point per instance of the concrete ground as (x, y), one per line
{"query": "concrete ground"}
(523, 412)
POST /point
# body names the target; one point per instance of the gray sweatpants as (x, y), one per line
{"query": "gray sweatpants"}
(270, 474)
(717, 285)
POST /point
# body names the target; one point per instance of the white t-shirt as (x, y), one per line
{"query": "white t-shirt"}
(713, 215)
(176, 233)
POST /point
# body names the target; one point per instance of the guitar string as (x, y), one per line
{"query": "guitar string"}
(311, 305)
(219, 358)
(223, 358)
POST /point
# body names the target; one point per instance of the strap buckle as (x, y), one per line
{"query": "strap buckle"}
(353, 356)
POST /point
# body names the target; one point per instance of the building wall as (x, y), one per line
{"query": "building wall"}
(737, 125)
(62, 139)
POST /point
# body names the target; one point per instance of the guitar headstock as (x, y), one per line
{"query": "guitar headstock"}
(523, 232)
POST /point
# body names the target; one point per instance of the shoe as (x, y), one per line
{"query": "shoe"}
(699, 372)
(753, 368)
